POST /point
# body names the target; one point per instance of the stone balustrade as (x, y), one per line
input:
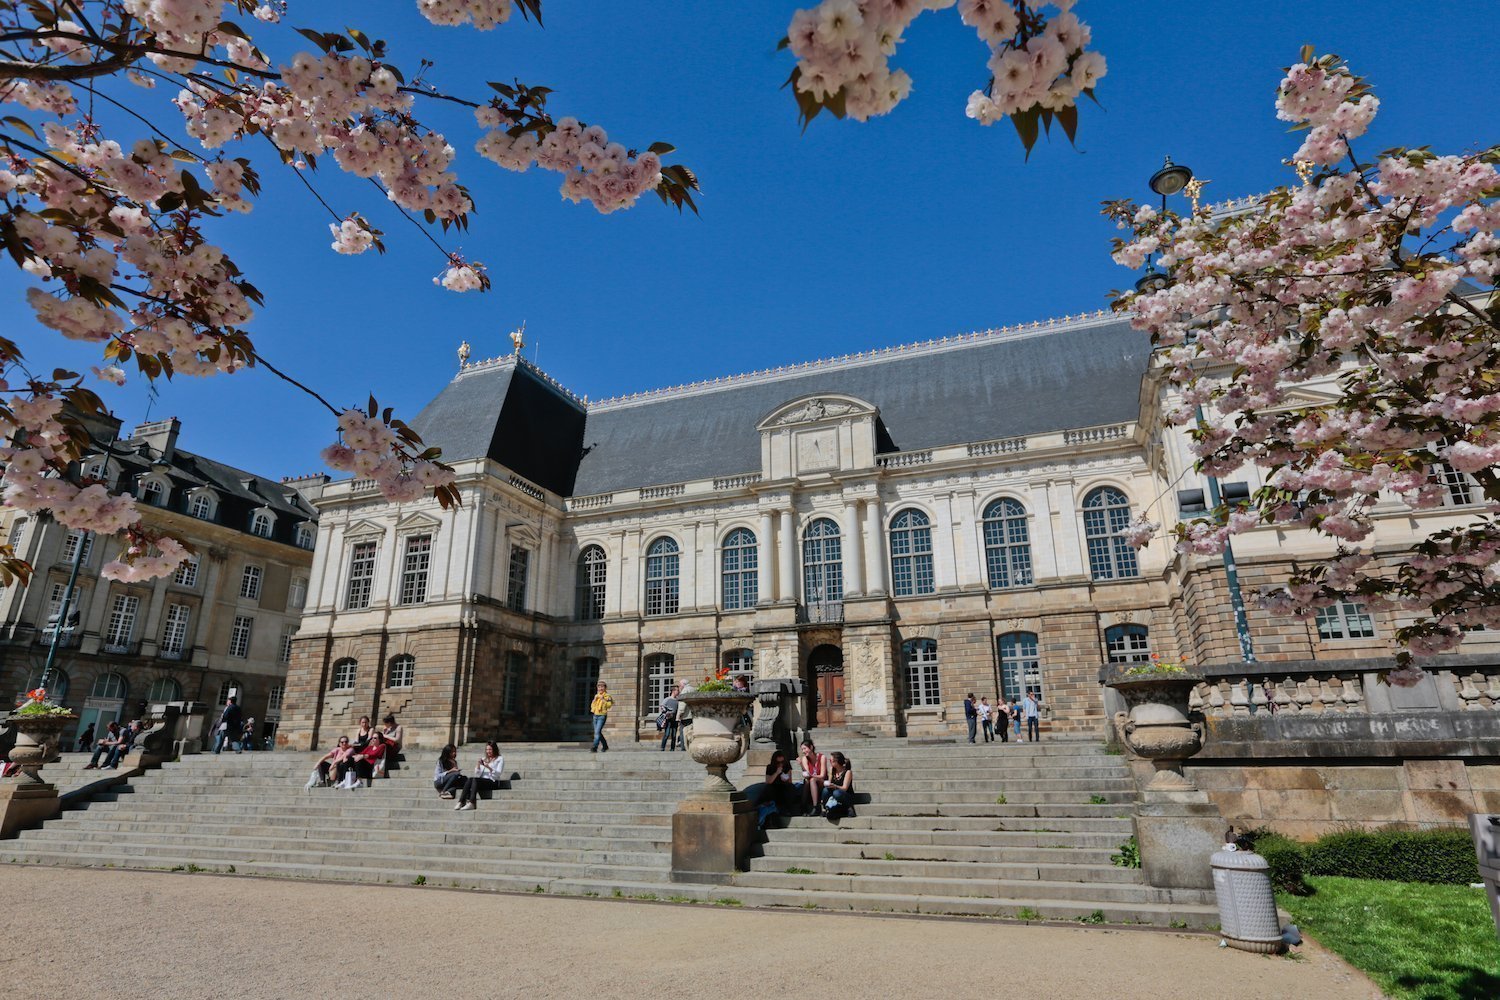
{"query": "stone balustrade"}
(904, 459)
(1231, 697)
(1004, 446)
(1478, 690)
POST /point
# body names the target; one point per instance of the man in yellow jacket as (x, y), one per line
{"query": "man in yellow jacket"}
(600, 707)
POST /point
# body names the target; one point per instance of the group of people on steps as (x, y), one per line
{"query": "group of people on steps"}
(999, 718)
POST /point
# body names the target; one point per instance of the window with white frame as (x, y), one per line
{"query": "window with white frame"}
(414, 566)
(1007, 544)
(822, 563)
(284, 650)
(1345, 620)
(585, 683)
(921, 657)
(164, 689)
(305, 536)
(202, 507)
(57, 684)
(738, 566)
(344, 673)
(111, 686)
(1106, 517)
(361, 576)
(661, 577)
(1459, 488)
(231, 688)
(151, 492)
(740, 663)
(516, 578)
(187, 572)
(275, 699)
(71, 544)
(403, 671)
(239, 636)
(174, 631)
(661, 672)
(17, 531)
(55, 603)
(260, 524)
(95, 469)
(588, 591)
(515, 670)
(1020, 665)
(250, 582)
(296, 594)
(121, 627)
(911, 554)
(1128, 644)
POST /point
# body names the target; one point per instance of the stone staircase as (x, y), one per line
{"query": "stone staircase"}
(933, 839)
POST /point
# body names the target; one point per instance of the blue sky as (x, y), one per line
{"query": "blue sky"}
(845, 238)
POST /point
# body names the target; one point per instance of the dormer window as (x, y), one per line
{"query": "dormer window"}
(151, 491)
(202, 506)
(305, 536)
(260, 524)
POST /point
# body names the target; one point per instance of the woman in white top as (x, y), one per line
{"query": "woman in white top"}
(488, 773)
(984, 720)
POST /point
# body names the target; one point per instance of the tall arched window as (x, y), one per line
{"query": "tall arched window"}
(661, 674)
(344, 672)
(1127, 644)
(1106, 516)
(231, 687)
(822, 563)
(738, 563)
(164, 689)
(111, 686)
(402, 671)
(585, 681)
(1020, 665)
(661, 577)
(921, 657)
(592, 570)
(1007, 544)
(57, 684)
(911, 554)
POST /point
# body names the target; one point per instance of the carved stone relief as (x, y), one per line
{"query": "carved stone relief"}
(865, 681)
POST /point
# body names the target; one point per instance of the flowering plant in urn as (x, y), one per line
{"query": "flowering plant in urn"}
(38, 724)
(719, 737)
(1156, 724)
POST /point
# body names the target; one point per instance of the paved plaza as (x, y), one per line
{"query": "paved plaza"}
(185, 936)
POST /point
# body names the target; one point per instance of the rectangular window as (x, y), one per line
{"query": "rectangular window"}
(250, 583)
(660, 674)
(174, 634)
(17, 531)
(239, 636)
(54, 602)
(1345, 620)
(515, 588)
(922, 672)
(361, 576)
(187, 572)
(275, 699)
(1458, 487)
(414, 569)
(585, 683)
(1020, 665)
(515, 669)
(70, 546)
(287, 631)
(296, 595)
(121, 623)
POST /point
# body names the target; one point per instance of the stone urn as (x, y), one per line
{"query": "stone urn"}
(1156, 724)
(719, 735)
(37, 741)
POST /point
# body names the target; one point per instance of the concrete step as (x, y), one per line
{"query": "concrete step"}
(1097, 892)
(997, 871)
(879, 839)
(1097, 859)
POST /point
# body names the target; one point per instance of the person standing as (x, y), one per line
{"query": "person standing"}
(684, 718)
(85, 738)
(1032, 711)
(971, 715)
(1015, 716)
(669, 720)
(599, 708)
(984, 720)
(228, 727)
(1002, 720)
(247, 734)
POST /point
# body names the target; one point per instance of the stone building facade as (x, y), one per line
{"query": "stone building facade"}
(886, 532)
(223, 623)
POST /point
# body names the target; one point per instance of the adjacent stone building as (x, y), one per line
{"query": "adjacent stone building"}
(885, 531)
(222, 623)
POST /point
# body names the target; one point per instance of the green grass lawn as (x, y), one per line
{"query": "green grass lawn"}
(1416, 941)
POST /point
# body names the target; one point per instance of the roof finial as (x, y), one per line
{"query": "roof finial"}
(518, 337)
(463, 354)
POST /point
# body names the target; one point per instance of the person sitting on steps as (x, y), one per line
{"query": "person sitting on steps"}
(362, 734)
(447, 777)
(128, 736)
(778, 796)
(368, 760)
(814, 767)
(838, 794)
(489, 772)
(331, 764)
(105, 745)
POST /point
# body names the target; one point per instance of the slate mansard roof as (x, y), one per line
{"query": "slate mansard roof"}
(980, 387)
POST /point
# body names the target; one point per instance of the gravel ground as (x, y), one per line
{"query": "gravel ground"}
(178, 936)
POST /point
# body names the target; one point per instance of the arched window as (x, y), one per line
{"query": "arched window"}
(231, 688)
(1106, 516)
(305, 536)
(921, 657)
(822, 563)
(593, 569)
(1020, 665)
(911, 554)
(1007, 545)
(164, 689)
(202, 507)
(740, 663)
(260, 524)
(661, 674)
(1127, 644)
(403, 670)
(151, 492)
(585, 681)
(661, 577)
(57, 685)
(738, 562)
(110, 685)
(344, 672)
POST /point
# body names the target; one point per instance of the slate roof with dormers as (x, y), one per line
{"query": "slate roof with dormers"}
(977, 387)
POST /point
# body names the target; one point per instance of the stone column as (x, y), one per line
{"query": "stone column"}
(944, 572)
(765, 578)
(1071, 559)
(786, 559)
(874, 547)
(1044, 543)
(854, 570)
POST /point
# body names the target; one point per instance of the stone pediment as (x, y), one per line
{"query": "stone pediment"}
(367, 530)
(817, 434)
(814, 409)
(418, 521)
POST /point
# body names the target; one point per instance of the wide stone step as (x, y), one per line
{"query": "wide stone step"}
(616, 825)
(954, 838)
(972, 887)
(787, 853)
(1108, 810)
(994, 871)
(544, 845)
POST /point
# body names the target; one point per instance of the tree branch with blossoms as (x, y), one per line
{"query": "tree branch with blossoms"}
(116, 233)
(1372, 284)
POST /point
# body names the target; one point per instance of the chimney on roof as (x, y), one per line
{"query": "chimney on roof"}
(161, 435)
(310, 485)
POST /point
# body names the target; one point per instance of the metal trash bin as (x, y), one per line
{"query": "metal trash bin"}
(1485, 828)
(1247, 906)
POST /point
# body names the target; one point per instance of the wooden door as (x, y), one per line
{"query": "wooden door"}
(831, 697)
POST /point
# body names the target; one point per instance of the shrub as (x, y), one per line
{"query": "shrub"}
(1286, 859)
(1438, 856)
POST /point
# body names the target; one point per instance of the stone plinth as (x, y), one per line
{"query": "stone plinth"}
(1177, 832)
(711, 836)
(25, 805)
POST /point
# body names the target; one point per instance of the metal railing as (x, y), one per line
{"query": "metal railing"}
(824, 613)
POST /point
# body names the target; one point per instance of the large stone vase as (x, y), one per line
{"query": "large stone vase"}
(37, 741)
(719, 735)
(1156, 725)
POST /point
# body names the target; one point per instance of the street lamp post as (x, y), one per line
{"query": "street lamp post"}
(1171, 179)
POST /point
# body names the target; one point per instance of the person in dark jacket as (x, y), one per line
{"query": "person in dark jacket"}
(229, 725)
(971, 715)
